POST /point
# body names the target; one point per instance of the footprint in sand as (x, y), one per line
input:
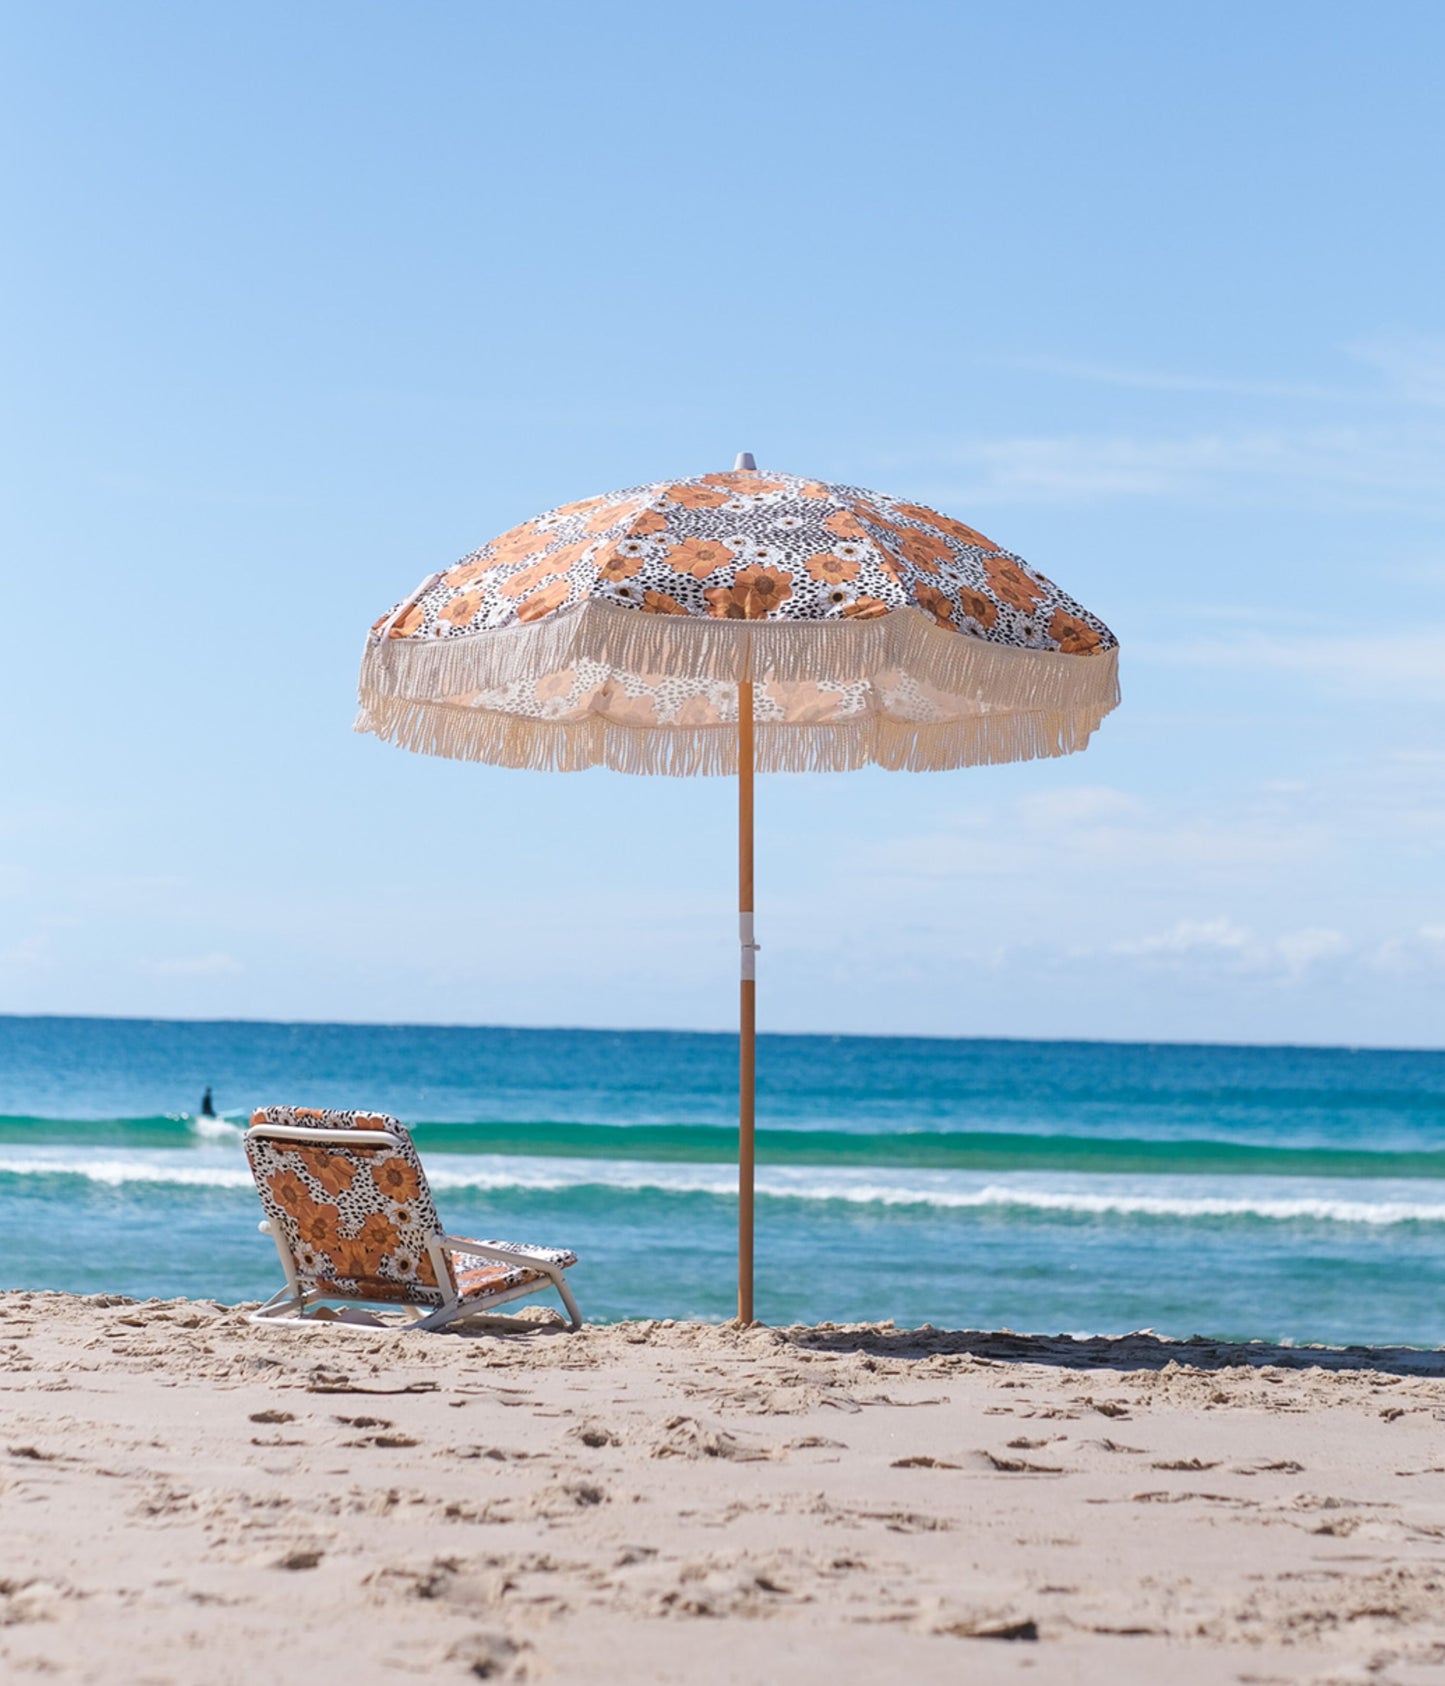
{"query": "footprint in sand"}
(1015, 1466)
(594, 1435)
(491, 1656)
(303, 1558)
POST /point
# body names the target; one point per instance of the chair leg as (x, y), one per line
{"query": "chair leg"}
(565, 1294)
(440, 1317)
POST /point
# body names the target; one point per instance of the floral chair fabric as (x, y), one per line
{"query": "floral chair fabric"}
(357, 1220)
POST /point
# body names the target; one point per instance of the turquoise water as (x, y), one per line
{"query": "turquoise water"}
(1280, 1193)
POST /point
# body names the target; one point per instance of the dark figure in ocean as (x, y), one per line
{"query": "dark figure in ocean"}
(207, 1110)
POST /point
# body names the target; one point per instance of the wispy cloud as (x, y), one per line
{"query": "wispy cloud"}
(1169, 380)
(1411, 366)
(1338, 467)
(1398, 667)
(1375, 451)
(1407, 368)
(28, 954)
(193, 966)
(1220, 941)
(1099, 829)
(1222, 945)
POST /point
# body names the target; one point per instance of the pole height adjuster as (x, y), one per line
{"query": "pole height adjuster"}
(749, 947)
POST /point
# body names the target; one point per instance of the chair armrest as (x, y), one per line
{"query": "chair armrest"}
(507, 1252)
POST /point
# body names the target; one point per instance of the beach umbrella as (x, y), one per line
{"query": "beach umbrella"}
(732, 623)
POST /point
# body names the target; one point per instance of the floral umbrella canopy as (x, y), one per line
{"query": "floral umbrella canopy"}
(736, 622)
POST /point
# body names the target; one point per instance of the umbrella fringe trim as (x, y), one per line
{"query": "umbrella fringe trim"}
(1005, 677)
(506, 740)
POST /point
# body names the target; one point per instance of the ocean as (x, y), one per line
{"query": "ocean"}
(1287, 1194)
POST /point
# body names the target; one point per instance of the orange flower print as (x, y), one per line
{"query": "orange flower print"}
(722, 605)
(543, 602)
(743, 482)
(763, 590)
(361, 1254)
(319, 1227)
(289, 1192)
(460, 610)
(650, 521)
(619, 567)
(916, 512)
(411, 1267)
(1073, 636)
(528, 579)
(697, 497)
(831, 569)
(583, 506)
(1012, 584)
(396, 1179)
(518, 542)
(695, 711)
(610, 514)
(465, 574)
(978, 607)
(753, 595)
(889, 565)
(923, 550)
(965, 534)
(812, 489)
(408, 623)
(561, 559)
(333, 1171)
(547, 689)
(352, 1259)
(659, 603)
(844, 524)
(866, 609)
(377, 1231)
(946, 524)
(934, 603)
(699, 557)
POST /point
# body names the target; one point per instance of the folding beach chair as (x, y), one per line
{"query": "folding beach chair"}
(348, 1207)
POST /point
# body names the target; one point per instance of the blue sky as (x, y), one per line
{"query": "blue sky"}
(301, 303)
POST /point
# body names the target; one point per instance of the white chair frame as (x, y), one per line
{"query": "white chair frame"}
(289, 1304)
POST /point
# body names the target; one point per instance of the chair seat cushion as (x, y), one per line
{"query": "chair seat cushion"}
(479, 1275)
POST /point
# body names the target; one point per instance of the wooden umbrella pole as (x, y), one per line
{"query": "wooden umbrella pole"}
(747, 1014)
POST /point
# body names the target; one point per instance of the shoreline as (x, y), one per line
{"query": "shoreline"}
(673, 1501)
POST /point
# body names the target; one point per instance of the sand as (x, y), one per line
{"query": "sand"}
(188, 1498)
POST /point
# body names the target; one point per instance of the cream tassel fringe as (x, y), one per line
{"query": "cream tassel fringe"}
(510, 740)
(634, 641)
(1038, 702)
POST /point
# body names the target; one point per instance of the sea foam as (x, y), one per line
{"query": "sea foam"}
(1156, 1197)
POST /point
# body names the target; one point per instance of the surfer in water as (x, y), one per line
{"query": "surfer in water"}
(207, 1110)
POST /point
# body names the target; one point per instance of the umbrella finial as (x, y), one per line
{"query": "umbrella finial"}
(745, 460)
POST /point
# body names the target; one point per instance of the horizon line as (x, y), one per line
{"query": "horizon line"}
(657, 1030)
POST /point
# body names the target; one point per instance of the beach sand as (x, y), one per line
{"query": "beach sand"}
(189, 1498)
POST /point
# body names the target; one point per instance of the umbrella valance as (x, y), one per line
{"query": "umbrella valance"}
(616, 631)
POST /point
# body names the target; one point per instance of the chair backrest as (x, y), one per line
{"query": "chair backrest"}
(356, 1216)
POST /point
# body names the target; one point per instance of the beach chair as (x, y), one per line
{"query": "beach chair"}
(348, 1207)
